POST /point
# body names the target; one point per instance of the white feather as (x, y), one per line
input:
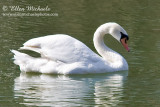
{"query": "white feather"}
(64, 54)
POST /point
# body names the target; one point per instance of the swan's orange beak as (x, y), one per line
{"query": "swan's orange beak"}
(124, 43)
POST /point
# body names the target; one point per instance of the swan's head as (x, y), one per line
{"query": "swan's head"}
(120, 34)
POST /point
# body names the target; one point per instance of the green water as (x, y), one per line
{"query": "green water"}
(137, 87)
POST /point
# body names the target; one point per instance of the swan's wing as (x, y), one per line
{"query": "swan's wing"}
(61, 48)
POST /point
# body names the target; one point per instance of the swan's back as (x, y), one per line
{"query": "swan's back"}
(62, 48)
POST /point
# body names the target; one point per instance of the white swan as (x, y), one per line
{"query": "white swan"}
(63, 54)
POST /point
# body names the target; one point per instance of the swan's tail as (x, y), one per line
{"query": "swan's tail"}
(25, 62)
(30, 64)
(19, 58)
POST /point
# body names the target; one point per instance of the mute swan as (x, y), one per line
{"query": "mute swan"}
(63, 54)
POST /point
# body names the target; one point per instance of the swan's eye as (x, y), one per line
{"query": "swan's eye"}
(124, 36)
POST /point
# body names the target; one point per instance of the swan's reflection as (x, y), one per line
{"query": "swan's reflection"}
(49, 90)
(109, 91)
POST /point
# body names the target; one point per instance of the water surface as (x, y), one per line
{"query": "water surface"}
(137, 87)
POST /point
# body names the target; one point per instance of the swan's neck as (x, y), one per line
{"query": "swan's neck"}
(110, 56)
